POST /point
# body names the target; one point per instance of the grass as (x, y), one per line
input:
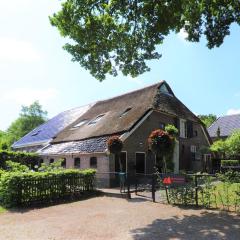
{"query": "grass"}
(223, 195)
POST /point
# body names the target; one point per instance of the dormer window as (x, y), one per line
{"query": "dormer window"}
(165, 89)
(97, 119)
(125, 112)
(79, 124)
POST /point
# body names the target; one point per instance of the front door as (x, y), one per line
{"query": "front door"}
(123, 160)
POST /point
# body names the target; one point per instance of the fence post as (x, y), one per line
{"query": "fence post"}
(196, 190)
(153, 187)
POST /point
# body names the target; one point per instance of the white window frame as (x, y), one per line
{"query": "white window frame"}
(193, 148)
(96, 119)
(183, 128)
(145, 165)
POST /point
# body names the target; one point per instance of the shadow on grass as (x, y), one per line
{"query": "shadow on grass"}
(40, 205)
(209, 225)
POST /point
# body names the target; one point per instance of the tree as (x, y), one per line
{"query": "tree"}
(233, 143)
(30, 117)
(111, 36)
(208, 120)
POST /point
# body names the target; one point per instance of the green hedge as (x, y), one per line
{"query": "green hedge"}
(18, 188)
(29, 159)
(230, 162)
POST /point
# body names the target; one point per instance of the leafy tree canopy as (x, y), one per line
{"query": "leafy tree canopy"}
(108, 36)
(208, 119)
(30, 117)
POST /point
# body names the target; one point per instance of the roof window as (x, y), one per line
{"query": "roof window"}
(35, 133)
(79, 124)
(125, 112)
(97, 119)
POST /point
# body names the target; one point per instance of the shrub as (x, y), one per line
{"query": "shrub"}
(16, 167)
(230, 162)
(29, 159)
(55, 166)
(171, 130)
(38, 187)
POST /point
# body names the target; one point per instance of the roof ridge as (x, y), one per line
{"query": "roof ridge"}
(131, 92)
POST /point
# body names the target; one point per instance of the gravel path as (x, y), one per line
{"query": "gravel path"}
(117, 218)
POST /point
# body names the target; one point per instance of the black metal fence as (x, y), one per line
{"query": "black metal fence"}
(52, 189)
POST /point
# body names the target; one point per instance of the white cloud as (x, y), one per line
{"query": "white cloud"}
(26, 96)
(182, 34)
(15, 50)
(233, 111)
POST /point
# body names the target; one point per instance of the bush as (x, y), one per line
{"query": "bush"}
(55, 166)
(230, 162)
(28, 159)
(18, 188)
(16, 167)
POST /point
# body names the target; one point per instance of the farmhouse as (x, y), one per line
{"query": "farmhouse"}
(132, 116)
(224, 126)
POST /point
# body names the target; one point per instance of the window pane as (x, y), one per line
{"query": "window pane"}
(140, 163)
(93, 162)
(51, 160)
(77, 162)
(64, 163)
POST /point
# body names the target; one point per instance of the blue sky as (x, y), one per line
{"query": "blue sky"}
(33, 66)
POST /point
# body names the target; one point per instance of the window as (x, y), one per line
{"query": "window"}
(183, 128)
(40, 162)
(51, 160)
(97, 119)
(140, 162)
(165, 89)
(196, 133)
(79, 124)
(63, 164)
(125, 112)
(77, 162)
(35, 133)
(162, 125)
(93, 162)
(193, 150)
(123, 161)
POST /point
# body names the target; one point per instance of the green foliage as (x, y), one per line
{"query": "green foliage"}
(30, 117)
(28, 159)
(208, 119)
(5, 141)
(16, 167)
(219, 146)
(26, 188)
(55, 166)
(230, 162)
(233, 144)
(106, 37)
(171, 130)
(229, 176)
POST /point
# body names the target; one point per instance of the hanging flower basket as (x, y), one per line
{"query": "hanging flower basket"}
(160, 142)
(115, 144)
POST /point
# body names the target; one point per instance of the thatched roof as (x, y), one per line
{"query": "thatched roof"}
(114, 121)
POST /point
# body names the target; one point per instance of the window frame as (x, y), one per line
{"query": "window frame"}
(96, 162)
(75, 166)
(183, 128)
(126, 161)
(145, 162)
(96, 119)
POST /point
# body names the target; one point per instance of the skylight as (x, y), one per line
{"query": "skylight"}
(97, 119)
(125, 112)
(79, 124)
(35, 133)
